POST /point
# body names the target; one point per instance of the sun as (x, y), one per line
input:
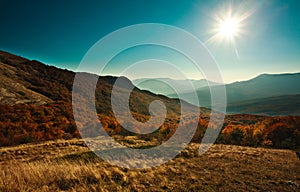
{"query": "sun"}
(229, 23)
(228, 28)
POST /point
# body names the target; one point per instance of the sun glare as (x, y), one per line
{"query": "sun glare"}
(228, 27)
(229, 23)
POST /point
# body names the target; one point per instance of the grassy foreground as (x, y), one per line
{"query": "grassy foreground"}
(70, 166)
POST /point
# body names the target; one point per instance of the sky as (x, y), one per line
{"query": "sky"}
(60, 33)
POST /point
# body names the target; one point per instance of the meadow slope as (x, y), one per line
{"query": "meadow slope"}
(70, 166)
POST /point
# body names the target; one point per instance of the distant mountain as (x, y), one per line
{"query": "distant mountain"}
(166, 86)
(262, 86)
(278, 105)
(265, 85)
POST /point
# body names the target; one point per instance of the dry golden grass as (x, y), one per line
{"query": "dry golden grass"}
(69, 166)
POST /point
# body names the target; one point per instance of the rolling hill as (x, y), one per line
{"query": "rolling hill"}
(31, 82)
(36, 102)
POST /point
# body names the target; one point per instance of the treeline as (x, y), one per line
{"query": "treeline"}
(24, 123)
(251, 130)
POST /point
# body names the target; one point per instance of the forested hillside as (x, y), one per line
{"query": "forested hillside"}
(35, 105)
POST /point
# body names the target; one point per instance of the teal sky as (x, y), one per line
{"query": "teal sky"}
(61, 32)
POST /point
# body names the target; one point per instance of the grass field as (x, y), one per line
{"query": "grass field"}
(70, 166)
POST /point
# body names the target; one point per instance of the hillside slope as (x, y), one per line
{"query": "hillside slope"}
(35, 102)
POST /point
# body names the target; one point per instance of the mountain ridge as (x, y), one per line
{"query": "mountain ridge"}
(262, 86)
(168, 86)
(285, 104)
